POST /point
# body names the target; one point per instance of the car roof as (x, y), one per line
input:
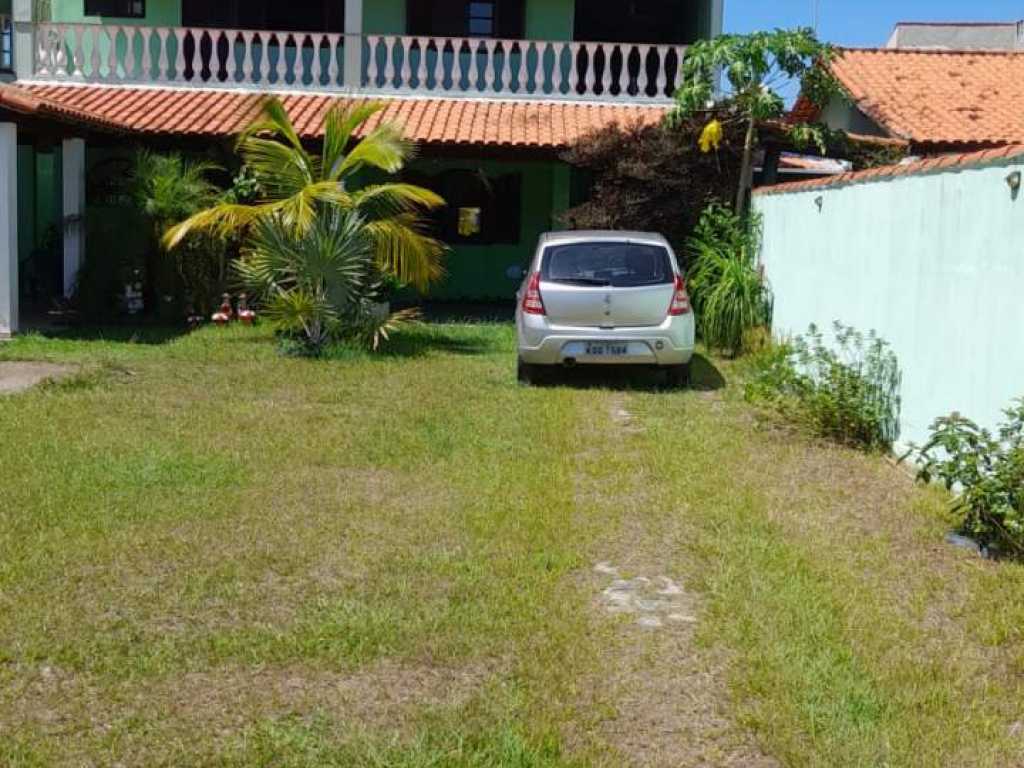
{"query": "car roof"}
(606, 235)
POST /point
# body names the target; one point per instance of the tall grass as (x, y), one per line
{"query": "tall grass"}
(728, 292)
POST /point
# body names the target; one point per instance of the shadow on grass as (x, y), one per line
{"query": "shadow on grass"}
(704, 377)
(150, 335)
(428, 338)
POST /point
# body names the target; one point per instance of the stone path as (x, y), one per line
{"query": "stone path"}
(17, 377)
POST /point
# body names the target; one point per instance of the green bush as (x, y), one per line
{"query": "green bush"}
(729, 294)
(847, 391)
(988, 472)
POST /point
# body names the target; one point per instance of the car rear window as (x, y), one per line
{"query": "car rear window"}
(619, 265)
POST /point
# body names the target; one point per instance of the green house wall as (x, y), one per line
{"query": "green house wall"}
(479, 272)
(158, 13)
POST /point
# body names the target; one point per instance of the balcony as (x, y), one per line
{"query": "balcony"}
(327, 62)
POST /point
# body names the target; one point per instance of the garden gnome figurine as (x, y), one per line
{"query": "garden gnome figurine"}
(246, 315)
(223, 315)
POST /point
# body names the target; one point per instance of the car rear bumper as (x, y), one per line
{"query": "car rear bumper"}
(670, 343)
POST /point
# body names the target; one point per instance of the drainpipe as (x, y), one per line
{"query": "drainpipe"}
(23, 39)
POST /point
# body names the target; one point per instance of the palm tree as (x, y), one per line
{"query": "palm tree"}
(296, 185)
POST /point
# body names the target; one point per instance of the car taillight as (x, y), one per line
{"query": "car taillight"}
(680, 299)
(533, 304)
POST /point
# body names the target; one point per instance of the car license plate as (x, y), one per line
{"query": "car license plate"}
(606, 350)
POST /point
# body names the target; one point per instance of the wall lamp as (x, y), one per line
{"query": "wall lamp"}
(819, 201)
(1013, 181)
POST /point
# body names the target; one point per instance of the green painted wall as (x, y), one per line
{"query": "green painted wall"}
(384, 17)
(26, 201)
(479, 271)
(158, 13)
(550, 19)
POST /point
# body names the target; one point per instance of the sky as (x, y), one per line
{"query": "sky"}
(862, 22)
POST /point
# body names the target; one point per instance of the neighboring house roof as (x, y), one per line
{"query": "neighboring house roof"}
(949, 98)
(958, 36)
(914, 168)
(550, 125)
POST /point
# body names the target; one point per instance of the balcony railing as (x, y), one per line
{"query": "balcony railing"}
(436, 66)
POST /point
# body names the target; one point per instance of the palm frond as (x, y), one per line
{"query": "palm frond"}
(280, 169)
(383, 200)
(273, 120)
(222, 219)
(384, 148)
(403, 250)
(339, 126)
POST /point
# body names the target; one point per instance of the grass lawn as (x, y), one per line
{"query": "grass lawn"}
(213, 555)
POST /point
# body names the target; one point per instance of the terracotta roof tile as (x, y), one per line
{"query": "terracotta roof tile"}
(936, 97)
(930, 165)
(222, 113)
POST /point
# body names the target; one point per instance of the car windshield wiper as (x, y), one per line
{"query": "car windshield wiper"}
(582, 281)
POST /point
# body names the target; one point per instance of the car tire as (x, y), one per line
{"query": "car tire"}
(678, 376)
(527, 374)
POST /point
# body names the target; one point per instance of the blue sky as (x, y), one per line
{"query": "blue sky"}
(862, 22)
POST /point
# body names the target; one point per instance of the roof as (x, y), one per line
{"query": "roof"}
(224, 112)
(23, 102)
(969, 98)
(916, 168)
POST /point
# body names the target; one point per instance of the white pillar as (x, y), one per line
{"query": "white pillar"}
(353, 44)
(8, 229)
(73, 154)
(23, 39)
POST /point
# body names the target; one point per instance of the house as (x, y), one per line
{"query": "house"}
(938, 101)
(959, 36)
(493, 90)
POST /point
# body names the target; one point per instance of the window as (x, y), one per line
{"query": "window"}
(127, 9)
(291, 16)
(621, 265)
(480, 210)
(466, 18)
(480, 19)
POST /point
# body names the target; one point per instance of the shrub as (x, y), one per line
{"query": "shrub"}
(319, 285)
(651, 178)
(729, 294)
(988, 471)
(847, 391)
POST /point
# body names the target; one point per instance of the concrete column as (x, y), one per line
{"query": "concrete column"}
(717, 17)
(354, 44)
(8, 229)
(73, 176)
(23, 38)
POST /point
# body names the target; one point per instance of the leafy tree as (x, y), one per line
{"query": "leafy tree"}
(753, 67)
(168, 188)
(295, 185)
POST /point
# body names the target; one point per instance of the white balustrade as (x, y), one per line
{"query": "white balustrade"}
(483, 67)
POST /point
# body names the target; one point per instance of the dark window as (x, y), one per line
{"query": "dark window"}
(480, 19)
(128, 9)
(620, 265)
(291, 16)
(636, 21)
(466, 18)
(484, 210)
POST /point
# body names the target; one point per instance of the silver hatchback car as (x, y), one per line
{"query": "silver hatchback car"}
(604, 297)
